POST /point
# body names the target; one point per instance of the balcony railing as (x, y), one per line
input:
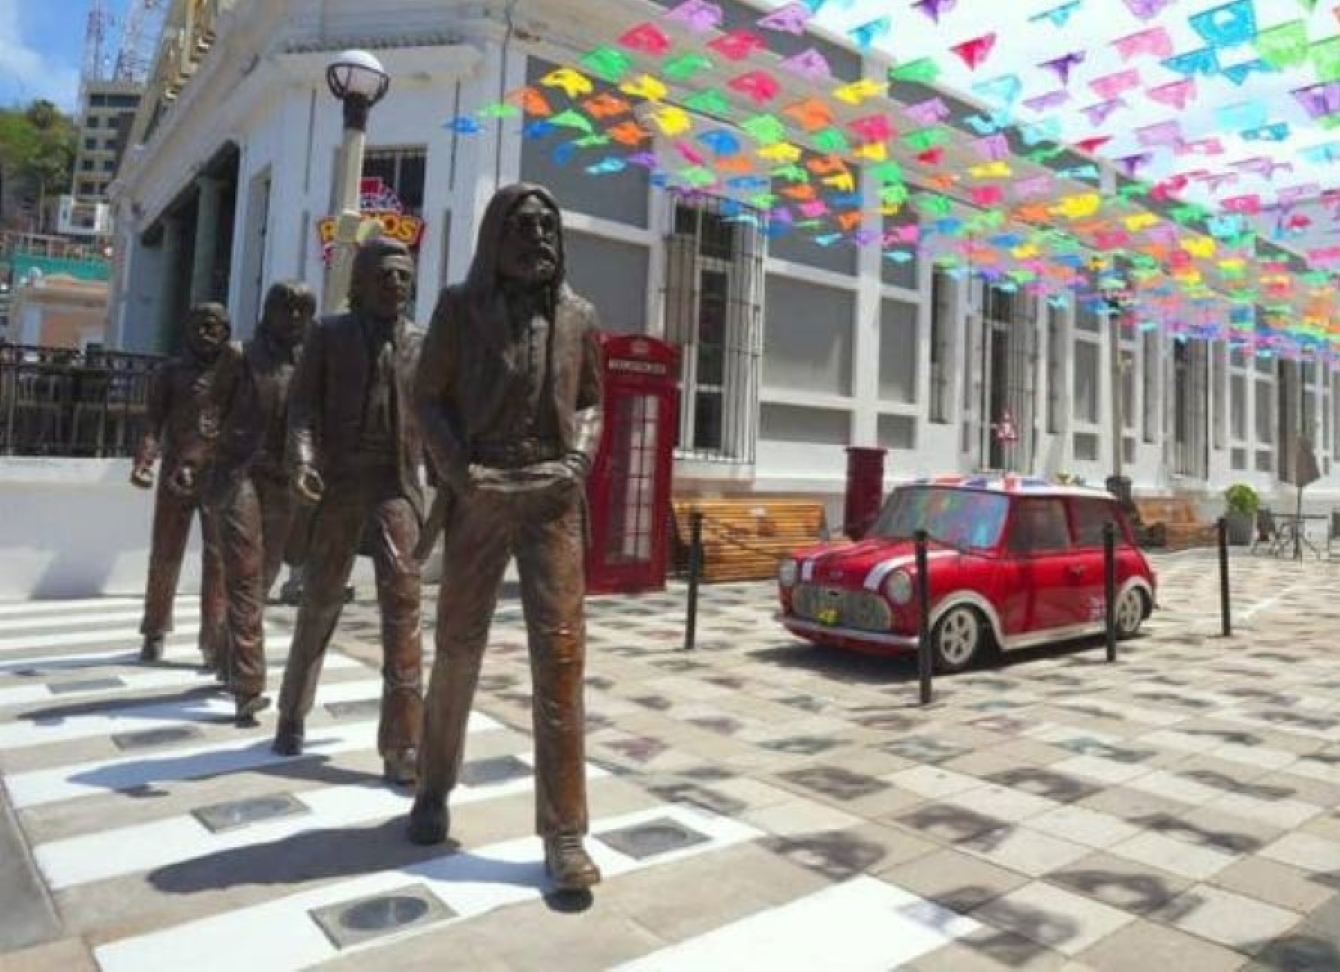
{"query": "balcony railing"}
(61, 402)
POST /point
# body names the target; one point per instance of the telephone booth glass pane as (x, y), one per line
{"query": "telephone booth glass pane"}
(629, 516)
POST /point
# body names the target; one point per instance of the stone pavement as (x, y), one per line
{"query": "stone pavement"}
(757, 803)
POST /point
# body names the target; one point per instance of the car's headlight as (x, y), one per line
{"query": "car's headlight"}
(787, 571)
(898, 587)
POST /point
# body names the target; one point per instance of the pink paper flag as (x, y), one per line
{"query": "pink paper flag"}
(1048, 101)
(1201, 146)
(699, 16)
(1097, 114)
(993, 148)
(929, 112)
(647, 38)
(872, 128)
(974, 52)
(987, 195)
(1115, 85)
(1039, 185)
(1176, 94)
(737, 45)
(759, 86)
(790, 19)
(1250, 203)
(1153, 41)
(1162, 133)
(808, 64)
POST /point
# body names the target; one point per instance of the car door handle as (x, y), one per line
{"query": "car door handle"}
(1075, 570)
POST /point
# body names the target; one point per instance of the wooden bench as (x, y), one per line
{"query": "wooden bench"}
(1179, 520)
(745, 538)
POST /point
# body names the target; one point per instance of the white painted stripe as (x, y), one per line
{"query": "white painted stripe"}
(157, 715)
(113, 853)
(78, 604)
(62, 638)
(33, 691)
(861, 925)
(73, 619)
(182, 651)
(884, 568)
(37, 788)
(280, 934)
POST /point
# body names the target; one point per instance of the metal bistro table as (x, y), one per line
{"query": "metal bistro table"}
(1293, 532)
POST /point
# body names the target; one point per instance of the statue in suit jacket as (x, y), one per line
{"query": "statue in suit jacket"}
(353, 451)
(509, 396)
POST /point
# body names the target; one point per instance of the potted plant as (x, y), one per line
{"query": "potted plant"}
(1241, 503)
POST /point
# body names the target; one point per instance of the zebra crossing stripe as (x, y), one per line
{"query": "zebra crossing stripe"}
(861, 925)
(126, 850)
(16, 623)
(282, 934)
(31, 692)
(65, 638)
(180, 651)
(62, 606)
(38, 730)
(37, 788)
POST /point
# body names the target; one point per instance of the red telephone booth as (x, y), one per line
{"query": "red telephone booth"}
(629, 489)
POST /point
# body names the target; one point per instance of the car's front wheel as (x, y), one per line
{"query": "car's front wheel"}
(957, 639)
(1130, 613)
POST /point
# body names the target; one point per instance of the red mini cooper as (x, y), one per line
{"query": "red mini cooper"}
(1013, 562)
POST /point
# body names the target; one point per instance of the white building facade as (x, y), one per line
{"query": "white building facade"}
(792, 350)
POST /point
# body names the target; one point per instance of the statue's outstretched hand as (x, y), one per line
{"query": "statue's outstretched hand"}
(142, 476)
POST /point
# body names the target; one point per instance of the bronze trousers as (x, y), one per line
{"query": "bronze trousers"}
(544, 531)
(376, 504)
(171, 529)
(253, 525)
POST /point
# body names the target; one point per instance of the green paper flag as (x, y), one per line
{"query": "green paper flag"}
(925, 139)
(885, 172)
(922, 70)
(764, 129)
(572, 119)
(684, 67)
(933, 205)
(1325, 58)
(500, 110)
(1283, 46)
(607, 63)
(831, 140)
(709, 102)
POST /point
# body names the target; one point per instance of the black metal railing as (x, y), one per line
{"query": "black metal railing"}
(63, 402)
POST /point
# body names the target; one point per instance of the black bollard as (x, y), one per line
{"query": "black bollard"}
(1225, 608)
(695, 570)
(925, 664)
(1110, 588)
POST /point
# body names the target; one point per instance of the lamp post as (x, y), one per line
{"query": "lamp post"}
(358, 80)
(1115, 303)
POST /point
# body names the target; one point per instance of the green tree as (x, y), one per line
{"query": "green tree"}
(37, 150)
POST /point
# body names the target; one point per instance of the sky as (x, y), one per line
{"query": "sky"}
(42, 48)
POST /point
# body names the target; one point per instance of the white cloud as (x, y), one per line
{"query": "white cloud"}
(26, 72)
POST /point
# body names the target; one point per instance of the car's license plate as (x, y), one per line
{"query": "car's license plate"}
(829, 616)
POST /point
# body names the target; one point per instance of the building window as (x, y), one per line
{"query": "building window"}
(713, 313)
(93, 121)
(1237, 407)
(898, 352)
(942, 329)
(1265, 413)
(90, 143)
(1149, 375)
(403, 170)
(1056, 358)
(1086, 382)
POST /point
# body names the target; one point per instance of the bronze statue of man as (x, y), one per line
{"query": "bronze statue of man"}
(179, 409)
(245, 484)
(509, 397)
(354, 450)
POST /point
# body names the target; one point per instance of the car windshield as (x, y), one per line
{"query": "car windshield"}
(962, 518)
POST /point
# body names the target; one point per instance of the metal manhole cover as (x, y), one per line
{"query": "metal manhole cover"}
(148, 738)
(652, 839)
(241, 813)
(499, 769)
(353, 922)
(86, 685)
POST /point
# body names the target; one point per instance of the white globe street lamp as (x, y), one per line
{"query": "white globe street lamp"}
(358, 80)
